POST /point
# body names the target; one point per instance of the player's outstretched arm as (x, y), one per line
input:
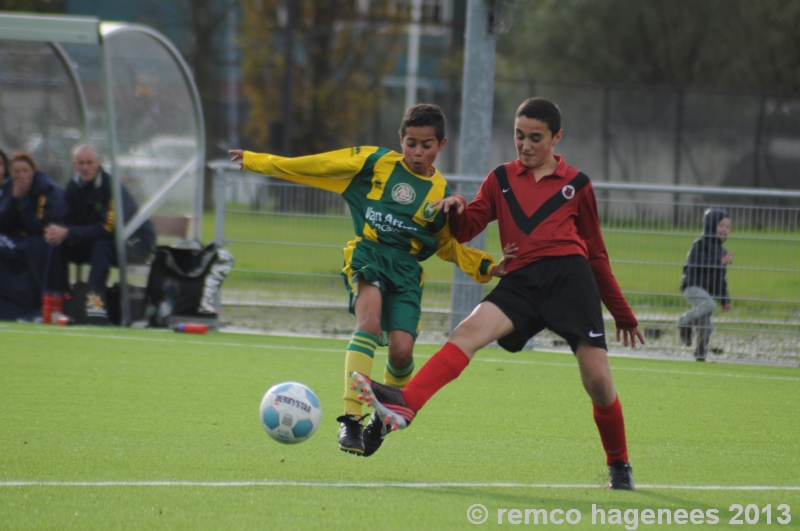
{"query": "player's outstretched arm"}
(629, 335)
(476, 263)
(332, 171)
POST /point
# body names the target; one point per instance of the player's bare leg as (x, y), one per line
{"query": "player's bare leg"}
(596, 374)
(485, 324)
(368, 308)
(397, 409)
(400, 364)
(599, 384)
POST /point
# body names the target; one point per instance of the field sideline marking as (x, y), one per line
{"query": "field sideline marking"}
(643, 369)
(313, 349)
(382, 484)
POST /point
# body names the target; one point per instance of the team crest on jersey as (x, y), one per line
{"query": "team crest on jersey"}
(403, 193)
(429, 211)
(568, 191)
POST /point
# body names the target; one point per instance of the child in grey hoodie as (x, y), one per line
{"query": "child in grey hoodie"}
(704, 280)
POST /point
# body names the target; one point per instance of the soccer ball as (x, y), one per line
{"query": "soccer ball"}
(290, 412)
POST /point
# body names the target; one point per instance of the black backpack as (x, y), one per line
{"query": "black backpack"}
(176, 281)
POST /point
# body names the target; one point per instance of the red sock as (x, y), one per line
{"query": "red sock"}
(441, 369)
(611, 426)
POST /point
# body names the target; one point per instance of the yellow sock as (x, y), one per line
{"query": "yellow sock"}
(359, 356)
(394, 377)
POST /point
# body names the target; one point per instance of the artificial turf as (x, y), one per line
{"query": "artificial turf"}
(109, 428)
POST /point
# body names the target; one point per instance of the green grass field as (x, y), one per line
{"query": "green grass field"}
(107, 428)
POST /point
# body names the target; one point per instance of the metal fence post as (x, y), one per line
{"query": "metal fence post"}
(475, 135)
(220, 193)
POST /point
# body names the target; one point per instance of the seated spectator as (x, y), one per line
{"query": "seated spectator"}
(29, 201)
(87, 233)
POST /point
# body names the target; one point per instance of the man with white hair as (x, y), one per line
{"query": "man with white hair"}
(87, 233)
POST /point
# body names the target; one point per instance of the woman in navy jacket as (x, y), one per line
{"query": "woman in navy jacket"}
(30, 201)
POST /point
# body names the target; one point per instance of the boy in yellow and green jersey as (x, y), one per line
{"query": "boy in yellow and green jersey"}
(391, 197)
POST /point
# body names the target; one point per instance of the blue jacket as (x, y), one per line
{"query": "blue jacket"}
(704, 267)
(29, 215)
(91, 213)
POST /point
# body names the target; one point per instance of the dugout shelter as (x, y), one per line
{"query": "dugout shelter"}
(122, 87)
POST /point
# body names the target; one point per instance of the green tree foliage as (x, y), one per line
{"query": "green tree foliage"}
(731, 44)
(204, 20)
(340, 56)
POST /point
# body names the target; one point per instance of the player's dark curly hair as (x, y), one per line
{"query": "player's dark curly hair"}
(422, 115)
(543, 110)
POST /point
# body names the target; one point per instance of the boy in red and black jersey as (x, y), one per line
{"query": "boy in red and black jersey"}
(558, 273)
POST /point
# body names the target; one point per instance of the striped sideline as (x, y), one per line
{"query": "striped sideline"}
(381, 484)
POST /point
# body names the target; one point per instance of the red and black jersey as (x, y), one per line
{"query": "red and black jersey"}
(556, 216)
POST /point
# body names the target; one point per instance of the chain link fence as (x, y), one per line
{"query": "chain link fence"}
(288, 240)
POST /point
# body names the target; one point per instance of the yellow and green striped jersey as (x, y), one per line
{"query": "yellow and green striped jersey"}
(389, 204)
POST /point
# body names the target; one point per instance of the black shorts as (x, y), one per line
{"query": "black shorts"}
(558, 293)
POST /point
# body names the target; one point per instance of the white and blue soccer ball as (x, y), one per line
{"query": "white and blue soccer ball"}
(290, 412)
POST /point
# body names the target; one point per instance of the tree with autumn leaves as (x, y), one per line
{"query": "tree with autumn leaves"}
(313, 70)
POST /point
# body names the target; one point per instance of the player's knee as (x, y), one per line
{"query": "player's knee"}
(469, 333)
(369, 323)
(600, 388)
(401, 357)
(401, 348)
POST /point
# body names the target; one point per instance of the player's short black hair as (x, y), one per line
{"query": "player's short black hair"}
(423, 115)
(543, 110)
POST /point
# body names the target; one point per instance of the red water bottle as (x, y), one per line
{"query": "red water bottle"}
(47, 309)
(58, 308)
(191, 328)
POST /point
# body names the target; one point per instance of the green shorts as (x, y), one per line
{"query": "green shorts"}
(397, 274)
